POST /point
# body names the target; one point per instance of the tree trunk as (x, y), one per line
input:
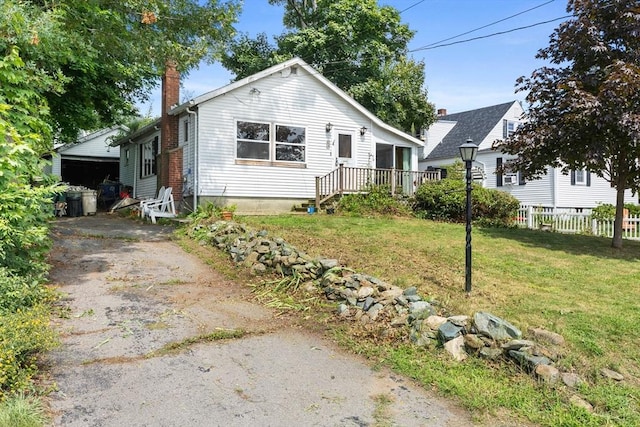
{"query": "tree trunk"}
(617, 225)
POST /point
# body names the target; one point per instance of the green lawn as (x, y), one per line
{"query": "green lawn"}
(577, 286)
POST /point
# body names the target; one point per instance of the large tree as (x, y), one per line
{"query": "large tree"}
(357, 44)
(109, 53)
(584, 108)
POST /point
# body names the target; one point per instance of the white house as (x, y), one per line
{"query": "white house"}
(260, 142)
(575, 191)
(88, 161)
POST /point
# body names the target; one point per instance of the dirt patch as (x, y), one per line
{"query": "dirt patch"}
(132, 292)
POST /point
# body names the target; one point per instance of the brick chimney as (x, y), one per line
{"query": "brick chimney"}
(442, 112)
(170, 167)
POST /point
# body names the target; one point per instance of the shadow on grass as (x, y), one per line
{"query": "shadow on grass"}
(570, 243)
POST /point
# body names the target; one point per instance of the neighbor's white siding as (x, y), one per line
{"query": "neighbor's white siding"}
(513, 114)
(93, 145)
(297, 99)
(581, 196)
(537, 192)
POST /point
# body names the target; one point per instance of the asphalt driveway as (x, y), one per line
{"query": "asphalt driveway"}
(135, 349)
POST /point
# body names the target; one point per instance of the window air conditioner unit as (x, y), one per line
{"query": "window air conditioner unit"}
(510, 180)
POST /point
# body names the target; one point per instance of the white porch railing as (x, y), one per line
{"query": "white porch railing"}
(572, 222)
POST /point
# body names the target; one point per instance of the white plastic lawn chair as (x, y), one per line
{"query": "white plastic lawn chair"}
(162, 209)
(145, 202)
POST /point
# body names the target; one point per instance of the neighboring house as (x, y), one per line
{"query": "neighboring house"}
(88, 161)
(575, 191)
(260, 142)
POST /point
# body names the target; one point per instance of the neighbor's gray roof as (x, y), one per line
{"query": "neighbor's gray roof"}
(474, 124)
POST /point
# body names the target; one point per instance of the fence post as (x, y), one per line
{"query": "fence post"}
(341, 178)
(529, 216)
(393, 181)
(317, 192)
(594, 226)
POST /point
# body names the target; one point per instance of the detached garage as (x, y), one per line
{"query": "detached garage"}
(89, 161)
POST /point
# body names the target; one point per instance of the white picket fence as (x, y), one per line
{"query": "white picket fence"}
(575, 222)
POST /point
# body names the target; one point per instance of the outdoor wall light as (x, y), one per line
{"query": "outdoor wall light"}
(328, 127)
(363, 130)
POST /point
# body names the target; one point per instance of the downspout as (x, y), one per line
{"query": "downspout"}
(195, 159)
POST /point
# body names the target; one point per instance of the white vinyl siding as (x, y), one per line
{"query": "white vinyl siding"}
(296, 101)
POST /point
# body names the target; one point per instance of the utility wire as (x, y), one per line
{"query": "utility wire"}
(480, 28)
(429, 47)
(414, 5)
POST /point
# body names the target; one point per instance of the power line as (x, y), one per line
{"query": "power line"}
(413, 5)
(429, 47)
(484, 26)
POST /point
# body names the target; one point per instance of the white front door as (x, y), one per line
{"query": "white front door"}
(345, 148)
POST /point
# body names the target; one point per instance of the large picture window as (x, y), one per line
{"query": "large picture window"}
(148, 153)
(256, 141)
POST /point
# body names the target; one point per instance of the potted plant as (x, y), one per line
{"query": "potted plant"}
(227, 212)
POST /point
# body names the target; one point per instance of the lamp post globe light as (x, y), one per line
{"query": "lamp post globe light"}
(468, 152)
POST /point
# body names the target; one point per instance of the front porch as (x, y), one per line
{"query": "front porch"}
(346, 180)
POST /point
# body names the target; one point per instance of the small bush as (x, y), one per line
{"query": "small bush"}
(607, 211)
(445, 200)
(23, 335)
(377, 201)
(24, 329)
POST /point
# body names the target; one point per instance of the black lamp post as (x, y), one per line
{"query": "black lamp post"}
(468, 152)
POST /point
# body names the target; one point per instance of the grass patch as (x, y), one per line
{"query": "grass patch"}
(575, 285)
(176, 347)
(22, 411)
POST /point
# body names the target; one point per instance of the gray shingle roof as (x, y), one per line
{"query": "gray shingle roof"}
(474, 124)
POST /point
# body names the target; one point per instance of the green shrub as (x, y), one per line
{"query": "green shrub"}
(18, 292)
(23, 334)
(24, 329)
(606, 211)
(445, 200)
(377, 201)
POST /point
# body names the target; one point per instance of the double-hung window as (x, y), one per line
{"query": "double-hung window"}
(148, 153)
(290, 143)
(270, 142)
(581, 177)
(253, 140)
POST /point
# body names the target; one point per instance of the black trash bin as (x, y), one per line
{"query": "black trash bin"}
(74, 204)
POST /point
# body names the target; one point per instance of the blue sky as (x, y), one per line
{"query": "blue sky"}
(458, 77)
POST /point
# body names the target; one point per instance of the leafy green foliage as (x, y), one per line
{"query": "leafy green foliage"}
(608, 211)
(25, 195)
(358, 45)
(25, 206)
(107, 54)
(446, 200)
(584, 110)
(377, 201)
